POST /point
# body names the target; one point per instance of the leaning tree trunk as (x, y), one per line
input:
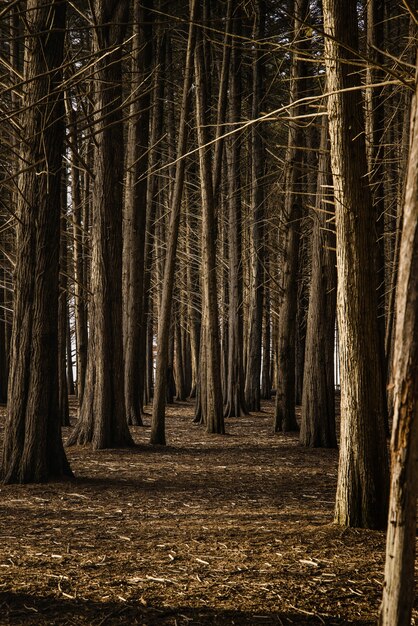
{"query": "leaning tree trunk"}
(362, 489)
(102, 420)
(318, 397)
(33, 450)
(398, 590)
(158, 409)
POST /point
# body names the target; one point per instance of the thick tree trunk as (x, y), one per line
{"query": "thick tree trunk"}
(102, 420)
(285, 417)
(318, 398)
(33, 450)
(398, 590)
(135, 210)
(158, 410)
(362, 490)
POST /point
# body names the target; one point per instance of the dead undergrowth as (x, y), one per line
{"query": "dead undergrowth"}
(233, 529)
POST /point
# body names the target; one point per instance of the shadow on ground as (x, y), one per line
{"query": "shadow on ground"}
(27, 609)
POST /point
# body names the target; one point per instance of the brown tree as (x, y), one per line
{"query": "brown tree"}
(398, 590)
(253, 364)
(318, 397)
(164, 320)
(362, 490)
(285, 417)
(33, 450)
(135, 210)
(102, 419)
(209, 366)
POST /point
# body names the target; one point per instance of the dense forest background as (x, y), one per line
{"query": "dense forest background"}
(215, 201)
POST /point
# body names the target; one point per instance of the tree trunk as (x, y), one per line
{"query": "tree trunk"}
(63, 320)
(398, 590)
(210, 371)
(33, 450)
(285, 417)
(235, 381)
(158, 410)
(135, 210)
(318, 399)
(102, 420)
(362, 489)
(253, 365)
(375, 127)
(80, 292)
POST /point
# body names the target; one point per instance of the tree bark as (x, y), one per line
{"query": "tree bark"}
(318, 398)
(102, 421)
(210, 371)
(158, 410)
(253, 364)
(285, 417)
(398, 589)
(235, 381)
(135, 210)
(362, 490)
(80, 292)
(33, 450)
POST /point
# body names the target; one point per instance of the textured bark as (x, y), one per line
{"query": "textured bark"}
(266, 362)
(285, 417)
(80, 295)
(210, 371)
(158, 410)
(62, 316)
(235, 382)
(253, 364)
(318, 398)
(178, 365)
(102, 421)
(135, 210)
(398, 590)
(4, 357)
(33, 450)
(193, 301)
(375, 126)
(362, 490)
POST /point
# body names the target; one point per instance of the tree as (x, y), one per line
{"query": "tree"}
(362, 489)
(253, 365)
(209, 366)
(285, 417)
(135, 210)
(318, 397)
(158, 409)
(33, 450)
(398, 589)
(102, 419)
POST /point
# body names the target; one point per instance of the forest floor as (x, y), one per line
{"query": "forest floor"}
(234, 529)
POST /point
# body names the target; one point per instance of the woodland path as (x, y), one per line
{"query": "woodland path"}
(233, 529)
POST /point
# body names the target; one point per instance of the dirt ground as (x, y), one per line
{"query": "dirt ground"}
(233, 529)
